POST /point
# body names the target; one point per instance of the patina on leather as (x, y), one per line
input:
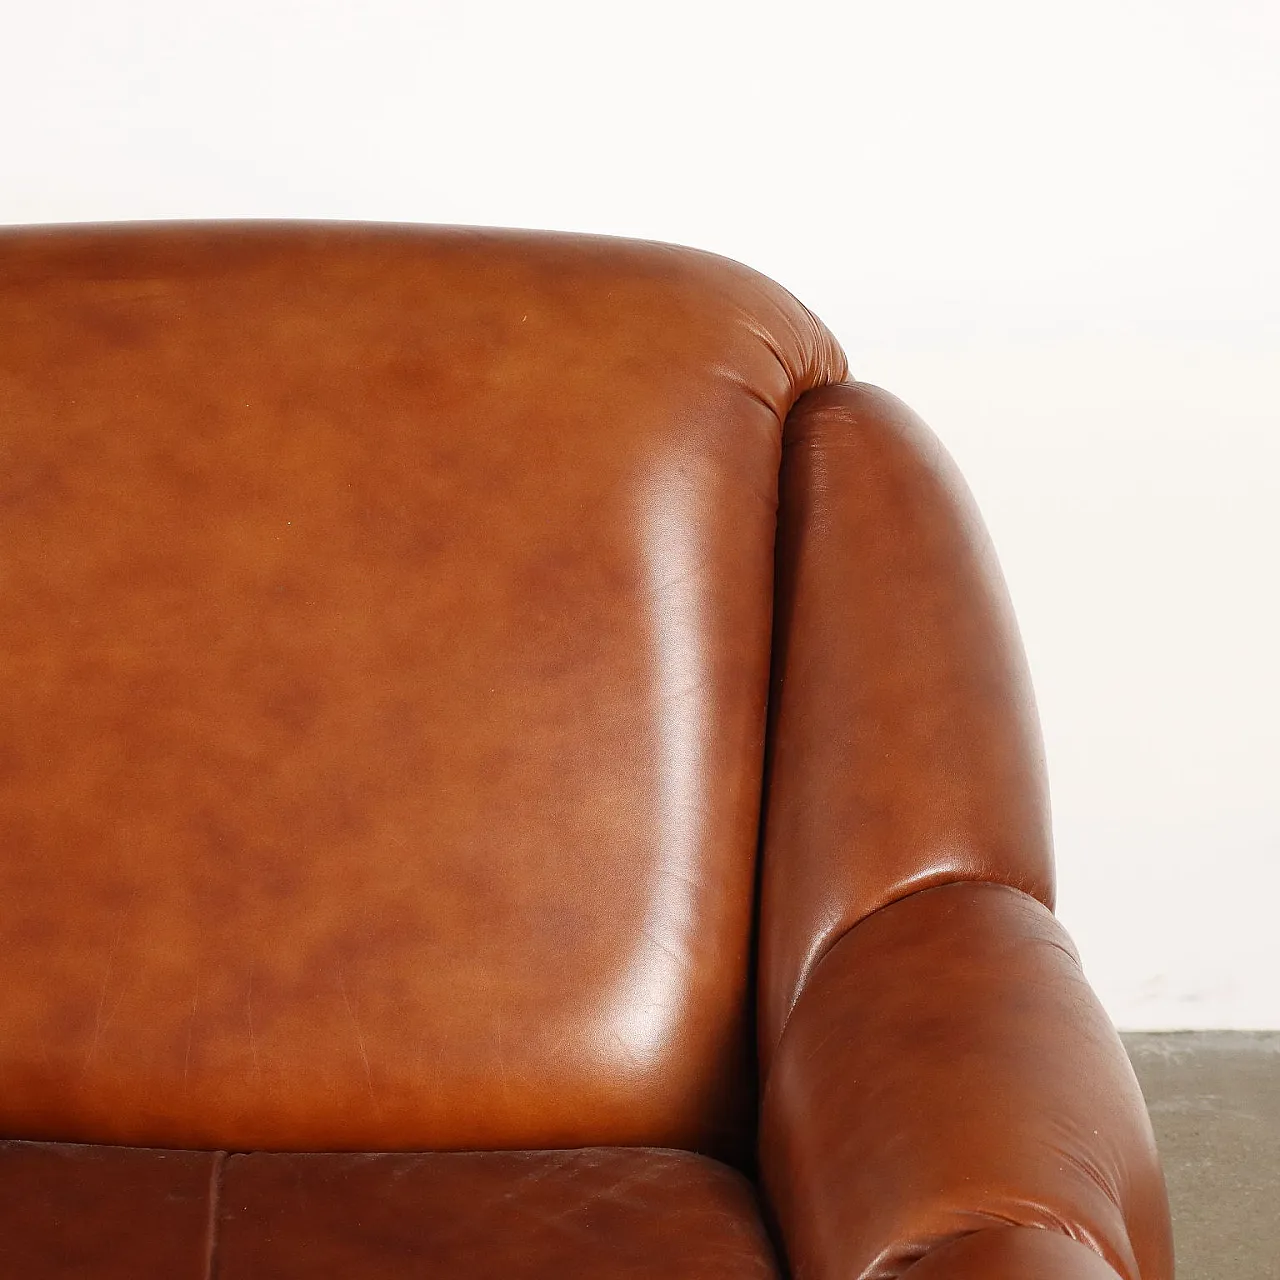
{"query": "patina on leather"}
(468, 690)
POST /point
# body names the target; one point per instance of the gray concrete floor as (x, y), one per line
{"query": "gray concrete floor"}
(1214, 1098)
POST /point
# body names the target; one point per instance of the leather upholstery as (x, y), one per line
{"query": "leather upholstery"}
(75, 1211)
(928, 1085)
(604, 1213)
(104, 1213)
(389, 680)
(471, 691)
(924, 1026)
(905, 749)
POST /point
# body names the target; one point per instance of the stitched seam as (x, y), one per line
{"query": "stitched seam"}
(215, 1202)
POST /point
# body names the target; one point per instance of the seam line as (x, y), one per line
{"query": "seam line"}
(215, 1202)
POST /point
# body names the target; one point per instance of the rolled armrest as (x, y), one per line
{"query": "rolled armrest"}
(948, 1071)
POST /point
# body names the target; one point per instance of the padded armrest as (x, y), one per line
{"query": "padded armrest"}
(948, 1070)
(904, 747)
(943, 1095)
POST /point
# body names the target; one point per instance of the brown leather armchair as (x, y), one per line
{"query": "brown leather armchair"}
(508, 703)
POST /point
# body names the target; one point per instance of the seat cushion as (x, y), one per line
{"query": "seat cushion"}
(599, 1212)
(602, 1212)
(104, 1213)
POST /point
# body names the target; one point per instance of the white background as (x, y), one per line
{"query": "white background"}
(1051, 228)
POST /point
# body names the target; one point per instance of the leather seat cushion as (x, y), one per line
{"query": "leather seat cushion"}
(99, 1212)
(104, 1213)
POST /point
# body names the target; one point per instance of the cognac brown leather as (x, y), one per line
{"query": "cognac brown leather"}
(476, 690)
(386, 671)
(608, 1212)
(81, 1211)
(105, 1213)
(905, 745)
(929, 1084)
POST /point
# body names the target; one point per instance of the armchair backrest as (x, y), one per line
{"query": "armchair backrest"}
(384, 653)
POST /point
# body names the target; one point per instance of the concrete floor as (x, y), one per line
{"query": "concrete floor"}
(1214, 1098)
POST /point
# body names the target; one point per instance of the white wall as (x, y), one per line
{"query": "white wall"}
(1051, 228)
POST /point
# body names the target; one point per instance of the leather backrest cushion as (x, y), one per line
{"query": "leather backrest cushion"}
(384, 637)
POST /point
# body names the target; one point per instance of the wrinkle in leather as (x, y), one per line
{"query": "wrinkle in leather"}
(387, 621)
(1011, 1254)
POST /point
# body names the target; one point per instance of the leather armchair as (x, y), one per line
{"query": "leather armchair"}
(512, 763)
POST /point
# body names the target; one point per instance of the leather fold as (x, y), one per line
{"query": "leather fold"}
(1012, 1253)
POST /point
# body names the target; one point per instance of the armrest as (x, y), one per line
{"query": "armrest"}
(942, 1094)
(948, 1071)
(904, 749)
